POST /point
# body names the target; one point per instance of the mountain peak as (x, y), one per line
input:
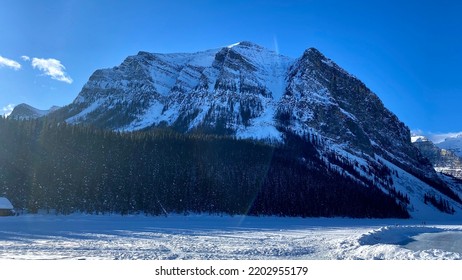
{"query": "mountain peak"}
(244, 44)
(419, 138)
(25, 111)
(24, 105)
(316, 57)
(313, 51)
(144, 54)
(313, 54)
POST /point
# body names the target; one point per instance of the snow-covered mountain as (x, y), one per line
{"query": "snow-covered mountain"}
(453, 144)
(247, 91)
(243, 90)
(25, 111)
(444, 161)
(232, 90)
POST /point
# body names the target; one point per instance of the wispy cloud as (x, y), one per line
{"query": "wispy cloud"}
(53, 68)
(6, 110)
(25, 58)
(5, 62)
(436, 137)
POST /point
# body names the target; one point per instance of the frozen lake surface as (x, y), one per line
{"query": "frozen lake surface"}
(215, 237)
(445, 241)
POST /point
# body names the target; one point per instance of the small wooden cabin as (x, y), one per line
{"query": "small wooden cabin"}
(6, 208)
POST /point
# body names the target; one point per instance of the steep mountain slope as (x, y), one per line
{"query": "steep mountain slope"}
(323, 96)
(246, 91)
(25, 111)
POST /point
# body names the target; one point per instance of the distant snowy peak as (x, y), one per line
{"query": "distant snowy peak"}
(25, 111)
(418, 138)
(453, 144)
(443, 160)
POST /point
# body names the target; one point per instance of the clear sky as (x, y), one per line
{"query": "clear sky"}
(408, 52)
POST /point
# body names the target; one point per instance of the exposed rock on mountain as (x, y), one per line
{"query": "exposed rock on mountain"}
(243, 90)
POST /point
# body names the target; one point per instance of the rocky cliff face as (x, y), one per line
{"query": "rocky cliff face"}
(323, 96)
(247, 91)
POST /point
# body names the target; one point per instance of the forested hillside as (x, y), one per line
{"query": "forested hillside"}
(70, 168)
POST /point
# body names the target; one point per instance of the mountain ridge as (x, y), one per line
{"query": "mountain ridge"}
(213, 81)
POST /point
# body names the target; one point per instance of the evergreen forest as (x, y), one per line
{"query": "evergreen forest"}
(49, 166)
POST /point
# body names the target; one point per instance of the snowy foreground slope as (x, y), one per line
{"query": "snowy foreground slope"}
(215, 237)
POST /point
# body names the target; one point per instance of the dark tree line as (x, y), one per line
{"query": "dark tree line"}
(440, 203)
(71, 168)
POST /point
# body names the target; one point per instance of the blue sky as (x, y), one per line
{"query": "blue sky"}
(408, 52)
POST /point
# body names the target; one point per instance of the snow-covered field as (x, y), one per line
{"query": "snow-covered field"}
(214, 237)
